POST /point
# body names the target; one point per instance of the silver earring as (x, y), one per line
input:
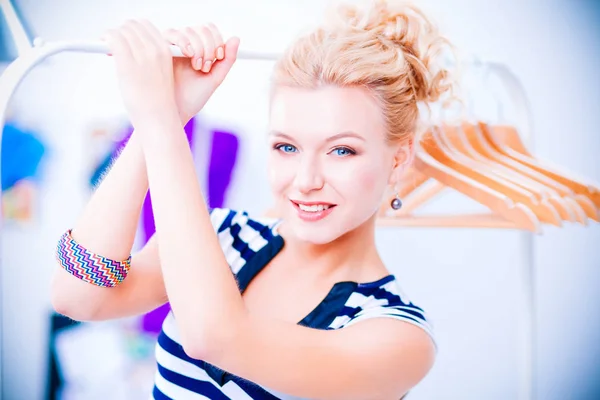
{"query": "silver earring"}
(396, 203)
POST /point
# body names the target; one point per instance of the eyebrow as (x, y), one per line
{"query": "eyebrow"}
(337, 136)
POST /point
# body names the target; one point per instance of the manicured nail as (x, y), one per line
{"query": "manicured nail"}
(199, 63)
(220, 53)
(207, 66)
(190, 50)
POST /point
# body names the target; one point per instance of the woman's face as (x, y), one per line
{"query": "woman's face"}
(329, 162)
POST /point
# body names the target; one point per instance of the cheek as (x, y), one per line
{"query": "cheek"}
(369, 187)
(366, 178)
(280, 172)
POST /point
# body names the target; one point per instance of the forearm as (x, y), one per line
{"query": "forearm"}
(107, 227)
(108, 223)
(201, 288)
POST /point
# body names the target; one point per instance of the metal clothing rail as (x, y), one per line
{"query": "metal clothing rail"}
(527, 311)
(29, 56)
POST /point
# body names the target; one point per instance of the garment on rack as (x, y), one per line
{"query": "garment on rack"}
(249, 245)
(22, 153)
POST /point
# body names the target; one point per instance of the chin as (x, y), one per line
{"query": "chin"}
(320, 232)
(313, 235)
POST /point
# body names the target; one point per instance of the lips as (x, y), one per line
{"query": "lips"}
(313, 211)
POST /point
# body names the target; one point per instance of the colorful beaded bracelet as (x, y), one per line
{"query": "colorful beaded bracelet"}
(90, 267)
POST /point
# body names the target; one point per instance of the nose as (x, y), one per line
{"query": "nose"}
(308, 177)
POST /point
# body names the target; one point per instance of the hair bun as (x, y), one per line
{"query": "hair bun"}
(403, 28)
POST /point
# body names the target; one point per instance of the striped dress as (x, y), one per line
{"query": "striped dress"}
(249, 245)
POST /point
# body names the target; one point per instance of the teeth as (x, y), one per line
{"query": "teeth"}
(315, 208)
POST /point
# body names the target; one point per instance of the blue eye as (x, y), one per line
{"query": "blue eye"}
(343, 152)
(286, 148)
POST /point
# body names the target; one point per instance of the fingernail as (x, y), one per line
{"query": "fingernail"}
(207, 66)
(199, 63)
(190, 50)
(220, 53)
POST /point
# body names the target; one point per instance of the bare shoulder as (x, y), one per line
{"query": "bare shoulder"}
(392, 348)
(396, 337)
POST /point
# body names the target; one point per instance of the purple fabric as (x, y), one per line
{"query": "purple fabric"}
(125, 139)
(152, 321)
(223, 157)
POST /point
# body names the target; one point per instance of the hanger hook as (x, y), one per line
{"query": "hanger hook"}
(487, 74)
(478, 69)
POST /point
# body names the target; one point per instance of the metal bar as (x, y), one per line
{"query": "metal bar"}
(527, 310)
(100, 47)
(20, 37)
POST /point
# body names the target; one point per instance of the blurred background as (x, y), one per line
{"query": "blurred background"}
(67, 119)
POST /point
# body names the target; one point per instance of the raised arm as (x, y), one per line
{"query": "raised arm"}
(108, 223)
(107, 226)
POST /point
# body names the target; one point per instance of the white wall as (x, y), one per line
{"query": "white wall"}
(468, 280)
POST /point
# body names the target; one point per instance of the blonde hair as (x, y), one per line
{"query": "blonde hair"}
(389, 47)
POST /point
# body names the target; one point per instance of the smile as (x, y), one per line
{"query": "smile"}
(314, 211)
(315, 208)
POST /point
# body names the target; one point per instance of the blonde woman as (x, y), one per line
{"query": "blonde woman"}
(298, 306)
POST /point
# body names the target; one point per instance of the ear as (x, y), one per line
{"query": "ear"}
(403, 158)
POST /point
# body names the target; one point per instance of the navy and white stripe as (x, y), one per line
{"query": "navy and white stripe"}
(249, 245)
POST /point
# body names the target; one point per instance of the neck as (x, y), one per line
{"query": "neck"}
(352, 256)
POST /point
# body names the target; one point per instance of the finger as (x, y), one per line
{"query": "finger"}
(218, 40)
(198, 46)
(117, 43)
(222, 68)
(135, 39)
(153, 33)
(209, 48)
(104, 38)
(173, 36)
(118, 47)
(140, 31)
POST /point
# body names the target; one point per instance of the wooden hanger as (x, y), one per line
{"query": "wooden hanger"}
(582, 205)
(467, 140)
(409, 183)
(414, 192)
(506, 213)
(505, 140)
(414, 179)
(507, 135)
(439, 150)
(520, 194)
